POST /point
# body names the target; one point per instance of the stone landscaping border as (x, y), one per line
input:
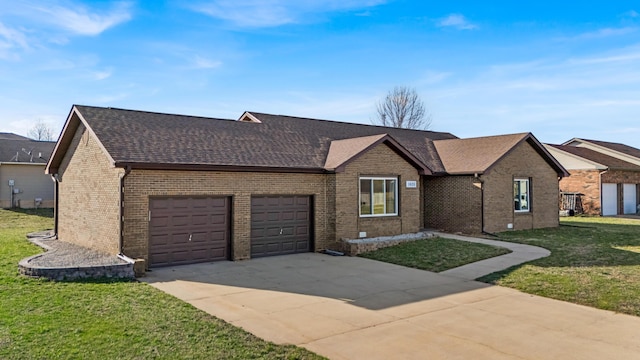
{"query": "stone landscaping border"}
(355, 247)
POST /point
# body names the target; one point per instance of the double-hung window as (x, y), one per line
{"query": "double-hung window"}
(378, 196)
(521, 195)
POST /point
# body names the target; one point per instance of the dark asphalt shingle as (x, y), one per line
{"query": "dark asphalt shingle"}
(278, 141)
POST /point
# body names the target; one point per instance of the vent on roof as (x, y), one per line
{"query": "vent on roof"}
(247, 117)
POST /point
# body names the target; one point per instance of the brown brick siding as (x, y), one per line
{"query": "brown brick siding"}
(88, 209)
(141, 184)
(379, 161)
(522, 162)
(586, 182)
(452, 203)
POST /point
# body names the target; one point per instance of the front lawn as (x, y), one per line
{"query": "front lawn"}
(42, 319)
(435, 254)
(594, 261)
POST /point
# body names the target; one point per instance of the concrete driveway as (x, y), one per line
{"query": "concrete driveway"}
(355, 308)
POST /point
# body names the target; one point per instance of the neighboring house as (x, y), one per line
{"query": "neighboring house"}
(23, 183)
(174, 189)
(605, 175)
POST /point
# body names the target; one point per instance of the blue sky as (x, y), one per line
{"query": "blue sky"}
(557, 69)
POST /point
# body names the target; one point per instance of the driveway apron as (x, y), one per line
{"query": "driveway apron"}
(355, 308)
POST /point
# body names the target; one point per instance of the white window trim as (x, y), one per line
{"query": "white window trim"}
(371, 178)
(528, 209)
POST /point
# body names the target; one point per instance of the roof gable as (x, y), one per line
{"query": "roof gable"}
(342, 152)
(479, 155)
(605, 161)
(617, 150)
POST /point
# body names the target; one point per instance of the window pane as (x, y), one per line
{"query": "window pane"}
(516, 194)
(378, 197)
(521, 194)
(391, 196)
(524, 195)
(365, 197)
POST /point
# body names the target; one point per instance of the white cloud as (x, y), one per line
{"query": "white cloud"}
(457, 21)
(10, 39)
(101, 75)
(594, 96)
(82, 21)
(13, 36)
(272, 13)
(632, 14)
(603, 33)
(203, 63)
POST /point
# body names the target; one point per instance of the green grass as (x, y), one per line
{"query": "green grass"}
(594, 262)
(42, 319)
(435, 254)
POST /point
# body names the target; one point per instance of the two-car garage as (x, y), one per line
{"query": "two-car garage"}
(184, 230)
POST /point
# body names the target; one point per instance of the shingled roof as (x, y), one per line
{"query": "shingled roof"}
(19, 149)
(622, 148)
(608, 161)
(478, 155)
(155, 140)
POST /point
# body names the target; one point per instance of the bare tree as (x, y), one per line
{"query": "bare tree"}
(41, 131)
(402, 108)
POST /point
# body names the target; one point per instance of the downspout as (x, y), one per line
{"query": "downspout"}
(482, 206)
(56, 182)
(600, 186)
(127, 170)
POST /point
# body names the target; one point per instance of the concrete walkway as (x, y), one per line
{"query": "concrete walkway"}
(356, 308)
(520, 253)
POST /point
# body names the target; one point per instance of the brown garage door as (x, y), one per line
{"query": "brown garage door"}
(184, 230)
(280, 225)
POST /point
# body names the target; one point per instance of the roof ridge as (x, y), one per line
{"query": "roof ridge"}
(153, 112)
(351, 123)
(523, 134)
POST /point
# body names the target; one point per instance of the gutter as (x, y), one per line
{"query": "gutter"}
(127, 171)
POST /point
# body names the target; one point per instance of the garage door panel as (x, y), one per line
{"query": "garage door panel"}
(159, 221)
(609, 199)
(302, 230)
(629, 198)
(218, 219)
(188, 230)
(280, 225)
(287, 216)
(302, 246)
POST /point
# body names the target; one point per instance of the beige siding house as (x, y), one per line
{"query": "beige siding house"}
(188, 189)
(23, 182)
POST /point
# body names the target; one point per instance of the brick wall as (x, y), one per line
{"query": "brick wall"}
(621, 177)
(379, 161)
(522, 162)
(141, 184)
(452, 203)
(88, 207)
(586, 182)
